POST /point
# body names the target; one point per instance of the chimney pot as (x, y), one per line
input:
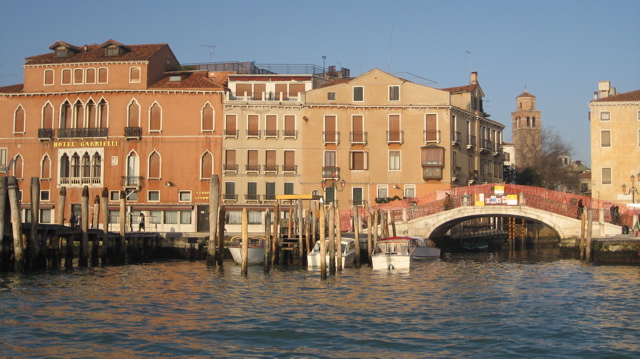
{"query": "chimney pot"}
(474, 78)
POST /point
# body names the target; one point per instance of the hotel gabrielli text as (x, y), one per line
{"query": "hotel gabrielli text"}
(133, 120)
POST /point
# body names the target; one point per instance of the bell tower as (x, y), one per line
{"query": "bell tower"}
(526, 129)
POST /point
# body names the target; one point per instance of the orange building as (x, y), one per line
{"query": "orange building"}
(122, 117)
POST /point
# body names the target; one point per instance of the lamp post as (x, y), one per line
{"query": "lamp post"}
(633, 190)
(335, 184)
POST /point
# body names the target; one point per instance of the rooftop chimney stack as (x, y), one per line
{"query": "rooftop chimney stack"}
(474, 78)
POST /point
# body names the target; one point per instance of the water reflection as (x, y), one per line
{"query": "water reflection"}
(481, 305)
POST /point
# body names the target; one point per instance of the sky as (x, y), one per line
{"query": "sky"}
(557, 50)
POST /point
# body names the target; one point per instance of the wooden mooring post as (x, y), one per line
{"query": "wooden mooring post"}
(245, 241)
(276, 233)
(369, 235)
(4, 251)
(84, 227)
(123, 226)
(220, 251)
(214, 201)
(332, 240)
(106, 251)
(16, 224)
(323, 244)
(356, 233)
(34, 245)
(267, 241)
(338, 241)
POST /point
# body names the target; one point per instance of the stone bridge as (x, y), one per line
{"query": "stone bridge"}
(434, 215)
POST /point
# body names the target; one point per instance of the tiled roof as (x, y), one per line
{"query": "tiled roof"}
(191, 80)
(12, 89)
(96, 53)
(466, 88)
(525, 94)
(623, 97)
(336, 81)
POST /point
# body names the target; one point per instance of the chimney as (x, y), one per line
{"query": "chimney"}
(474, 78)
(604, 87)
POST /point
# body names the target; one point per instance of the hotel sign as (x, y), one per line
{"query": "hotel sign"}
(75, 144)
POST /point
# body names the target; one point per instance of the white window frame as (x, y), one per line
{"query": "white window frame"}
(75, 80)
(213, 120)
(380, 188)
(365, 164)
(95, 75)
(131, 80)
(354, 93)
(62, 77)
(114, 196)
(159, 130)
(53, 77)
(98, 75)
(607, 117)
(396, 163)
(602, 175)
(45, 195)
(181, 193)
(394, 86)
(149, 193)
(409, 187)
(602, 132)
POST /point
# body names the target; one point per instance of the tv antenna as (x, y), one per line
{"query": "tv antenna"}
(211, 47)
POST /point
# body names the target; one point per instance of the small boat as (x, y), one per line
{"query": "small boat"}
(425, 248)
(255, 252)
(348, 253)
(393, 253)
(475, 246)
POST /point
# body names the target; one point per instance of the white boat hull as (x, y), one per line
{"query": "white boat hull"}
(423, 253)
(391, 261)
(255, 255)
(348, 255)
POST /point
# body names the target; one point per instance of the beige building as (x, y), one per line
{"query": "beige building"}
(379, 137)
(615, 144)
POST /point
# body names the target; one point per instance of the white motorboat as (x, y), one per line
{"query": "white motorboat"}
(255, 250)
(425, 249)
(348, 253)
(393, 253)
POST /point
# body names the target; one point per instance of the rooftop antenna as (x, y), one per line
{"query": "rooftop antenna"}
(389, 54)
(324, 58)
(211, 47)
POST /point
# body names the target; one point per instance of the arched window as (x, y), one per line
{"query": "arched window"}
(64, 168)
(91, 114)
(18, 166)
(47, 116)
(133, 169)
(86, 165)
(154, 165)
(65, 115)
(45, 167)
(75, 166)
(134, 114)
(207, 118)
(206, 165)
(155, 118)
(19, 119)
(96, 166)
(102, 115)
(78, 115)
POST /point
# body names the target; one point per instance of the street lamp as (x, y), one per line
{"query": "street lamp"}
(338, 185)
(633, 190)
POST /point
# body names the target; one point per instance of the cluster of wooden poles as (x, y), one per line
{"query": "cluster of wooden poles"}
(321, 223)
(37, 246)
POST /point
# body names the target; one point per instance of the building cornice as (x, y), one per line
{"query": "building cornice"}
(78, 64)
(63, 93)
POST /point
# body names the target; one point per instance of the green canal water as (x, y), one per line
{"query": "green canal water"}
(483, 305)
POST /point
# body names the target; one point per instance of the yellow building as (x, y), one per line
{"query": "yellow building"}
(615, 144)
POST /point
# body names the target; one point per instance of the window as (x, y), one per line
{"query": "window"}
(134, 114)
(102, 75)
(153, 196)
(184, 196)
(154, 165)
(357, 130)
(606, 176)
(18, 167)
(45, 216)
(331, 96)
(253, 129)
(233, 217)
(185, 217)
(114, 196)
(289, 161)
(112, 51)
(155, 118)
(330, 134)
(78, 76)
(133, 170)
(45, 195)
(409, 191)
(19, 119)
(132, 195)
(48, 77)
(605, 116)
(47, 116)
(155, 216)
(134, 74)
(431, 128)
(90, 76)
(78, 115)
(252, 161)
(382, 191)
(432, 162)
(356, 196)
(171, 217)
(254, 217)
(288, 188)
(229, 190)
(395, 134)
(394, 160)
(270, 191)
(66, 76)
(45, 168)
(358, 94)
(270, 157)
(394, 93)
(230, 129)
(290, 126)
(230, 160)
(358, 161)
(271, 126)
(206, 166)
(252, 191)
(207, 118)
(605, 138)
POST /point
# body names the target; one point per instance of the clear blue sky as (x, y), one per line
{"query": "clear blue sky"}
(557, 50)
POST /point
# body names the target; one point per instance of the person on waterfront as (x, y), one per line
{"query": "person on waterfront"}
(130, 221)
(580, 209)
(447, 202)
(73, 220)
(141, 224)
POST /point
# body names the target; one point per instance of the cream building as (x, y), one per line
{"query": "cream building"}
(615, 144)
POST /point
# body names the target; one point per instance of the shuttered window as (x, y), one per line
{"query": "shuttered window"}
(290, 125)
(155, 119)
(66, 77)
(102, 75)
(48, 77)
(47, 116)
(134, 114)
(358, 129)
(394, 128)
(230, 125)
(243, 90)
(330, 134)
(252, 125)
(295, 89)
(18, 121)
(154, 165)
(272, 125)
(78, 76)
(91, 76)
(281, 91)
(207, 118)
(431, 128)
(134, 75)
(258, 91)
(206, 166)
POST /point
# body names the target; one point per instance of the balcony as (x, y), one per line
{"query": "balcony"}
(456, 138)
(133, 133)
(252, 197)
(291, 134)
(431, 136)
(230, 133)
(45, 134)
(292, 169)
(395, 137)
(230, 197)
(252, 169)
(230, 168)
(358, 138)
(331, 137)
(81, 181)
(271, 134)
(486, 145)
(82, 132)
(269, 198)
(331, 172)
(497, 151)
(132, 181)
(471, 141)
(272, 169)
(358, 202)
(253, 134)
